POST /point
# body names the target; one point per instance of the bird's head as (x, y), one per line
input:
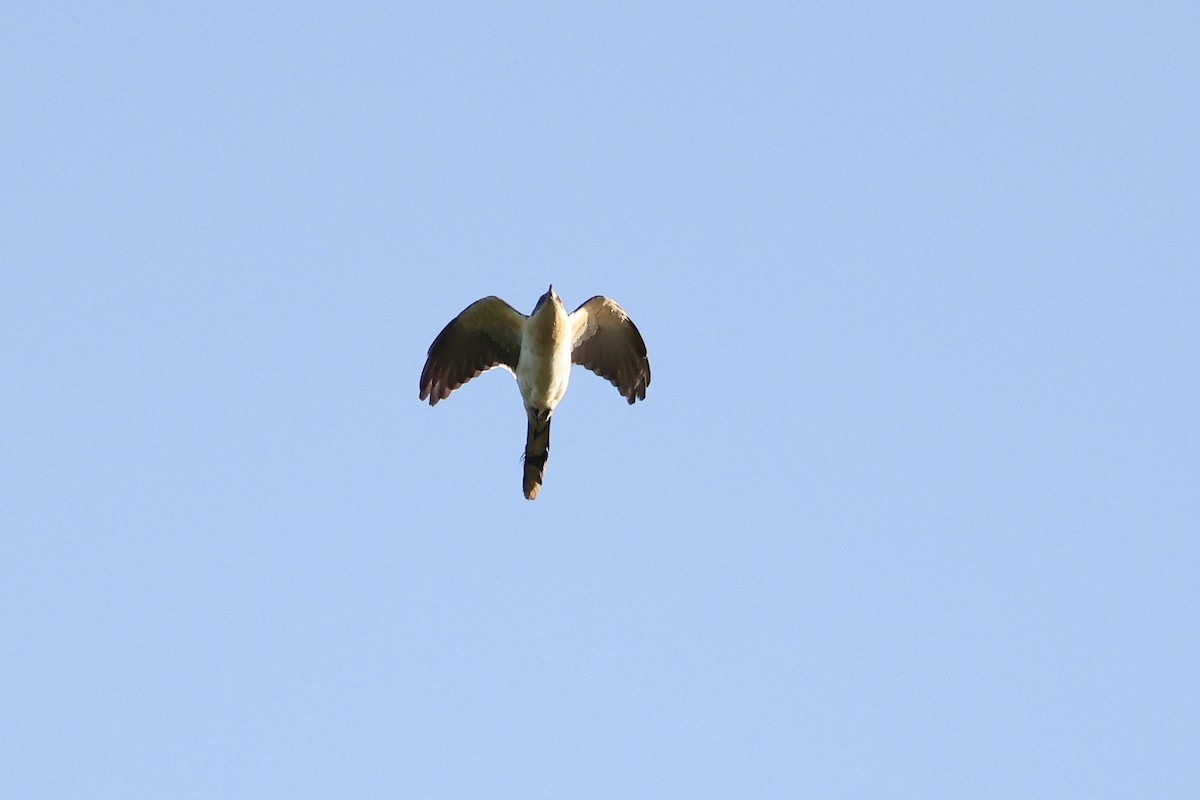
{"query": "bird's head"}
(550, 296)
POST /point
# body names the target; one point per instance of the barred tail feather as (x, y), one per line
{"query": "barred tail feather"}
(537, 450)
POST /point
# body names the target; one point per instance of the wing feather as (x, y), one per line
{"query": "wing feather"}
(606, 341)
(486, 334)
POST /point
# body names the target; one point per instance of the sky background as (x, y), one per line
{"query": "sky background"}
(910, 508)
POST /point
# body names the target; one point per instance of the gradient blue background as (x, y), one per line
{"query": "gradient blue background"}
(911, 508)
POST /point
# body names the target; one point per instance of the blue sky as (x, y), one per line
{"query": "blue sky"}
(910, 509)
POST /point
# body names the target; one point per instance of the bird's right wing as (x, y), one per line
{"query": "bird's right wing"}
(486, 334)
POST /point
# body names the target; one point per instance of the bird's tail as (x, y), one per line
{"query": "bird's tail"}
(537, 450)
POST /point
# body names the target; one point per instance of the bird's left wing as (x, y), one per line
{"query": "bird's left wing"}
(605, 340)
(486, 334)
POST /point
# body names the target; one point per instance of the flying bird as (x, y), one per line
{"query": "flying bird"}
(539, 350)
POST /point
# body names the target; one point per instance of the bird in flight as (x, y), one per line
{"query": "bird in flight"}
(539, 350)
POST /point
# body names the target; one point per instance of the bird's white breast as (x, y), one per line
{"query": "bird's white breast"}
(545, 364)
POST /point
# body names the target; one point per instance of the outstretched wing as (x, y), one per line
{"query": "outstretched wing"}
(486, 334)
(605, 340)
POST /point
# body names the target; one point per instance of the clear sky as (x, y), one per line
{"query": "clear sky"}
(911, 508)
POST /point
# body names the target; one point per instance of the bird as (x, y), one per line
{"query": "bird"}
(539, 351)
